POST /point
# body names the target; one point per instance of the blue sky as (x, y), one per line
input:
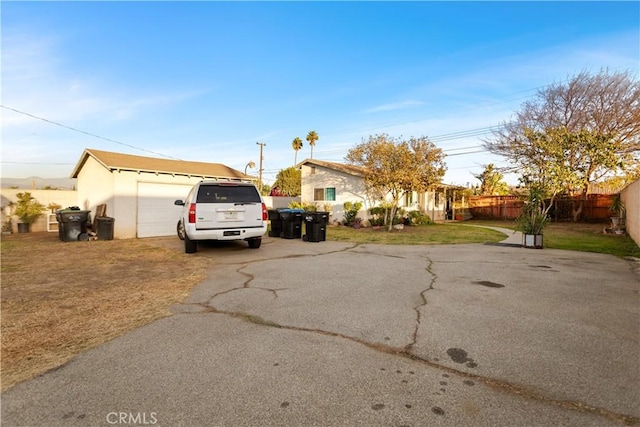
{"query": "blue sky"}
(205, 81)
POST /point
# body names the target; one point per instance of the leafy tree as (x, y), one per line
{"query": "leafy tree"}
(288, 182)
(394, 166)
(589, 125)
(312, 137)
(297, 145)
(491, 182)
(266, 188)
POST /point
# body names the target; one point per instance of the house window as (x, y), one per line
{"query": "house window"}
(324, 194)
(408, 198)
(313, 170)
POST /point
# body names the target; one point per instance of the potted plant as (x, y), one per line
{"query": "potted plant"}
(618, 211)
(54, 207)
(28, 210)
(533, 218)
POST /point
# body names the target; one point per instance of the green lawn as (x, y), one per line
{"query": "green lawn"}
(569, 236)
(417, 235)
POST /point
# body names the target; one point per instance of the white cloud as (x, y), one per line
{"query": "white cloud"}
(402, 105)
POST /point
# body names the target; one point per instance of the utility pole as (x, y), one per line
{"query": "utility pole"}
(261, 144)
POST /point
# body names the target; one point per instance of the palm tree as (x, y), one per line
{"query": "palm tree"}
(297, 145)
(312, 137)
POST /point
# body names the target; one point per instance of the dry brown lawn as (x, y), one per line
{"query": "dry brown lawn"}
(62, 298)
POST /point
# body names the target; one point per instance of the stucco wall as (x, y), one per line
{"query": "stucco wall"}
(95, 186)
(125, 200)
(631, 198)
(349, 188)
(433, 203)
(119, 191)
(279, 202)
(64, 198)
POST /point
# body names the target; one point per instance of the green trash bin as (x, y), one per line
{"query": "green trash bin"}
(276, 223)
(72, 223)
(105, 227)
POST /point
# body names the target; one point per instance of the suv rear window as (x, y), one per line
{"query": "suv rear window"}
(227, 194)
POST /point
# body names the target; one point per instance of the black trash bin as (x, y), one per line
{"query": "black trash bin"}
(72, 223)
(315, 224)
(276, 223)
(105, 227)
(291, 223)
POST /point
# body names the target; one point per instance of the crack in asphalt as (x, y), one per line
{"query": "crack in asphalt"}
(250, 276)
(500, 385)
(404, 352)
(434, 277)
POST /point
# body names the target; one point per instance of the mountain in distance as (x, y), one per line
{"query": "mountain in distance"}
(37, 183)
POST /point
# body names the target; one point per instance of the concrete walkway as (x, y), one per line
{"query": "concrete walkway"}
(514, 238)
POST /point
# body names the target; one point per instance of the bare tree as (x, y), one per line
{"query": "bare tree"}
(585, 117)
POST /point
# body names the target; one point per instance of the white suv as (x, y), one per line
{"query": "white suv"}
(222, 210)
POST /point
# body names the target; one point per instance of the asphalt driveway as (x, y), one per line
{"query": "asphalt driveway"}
(332, 333)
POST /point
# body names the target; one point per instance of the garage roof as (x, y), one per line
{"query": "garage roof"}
(127, 162)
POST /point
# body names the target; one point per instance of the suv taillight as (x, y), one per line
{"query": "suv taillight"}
(192, 213)
(265, 214)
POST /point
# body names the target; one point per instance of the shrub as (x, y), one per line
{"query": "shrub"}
(418, 218)
(308, 207)
(351, 210)
(379, 215)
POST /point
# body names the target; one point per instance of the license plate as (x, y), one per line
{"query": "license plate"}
(231, 233)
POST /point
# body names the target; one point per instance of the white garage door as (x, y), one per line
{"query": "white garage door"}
(157, 215)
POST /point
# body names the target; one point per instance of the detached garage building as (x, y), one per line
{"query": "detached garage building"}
(140, 191)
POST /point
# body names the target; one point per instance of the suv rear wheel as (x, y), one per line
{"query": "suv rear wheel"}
(255, 243)
(180, 230)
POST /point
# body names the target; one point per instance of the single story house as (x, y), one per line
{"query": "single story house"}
(139, 192)
(332, 184)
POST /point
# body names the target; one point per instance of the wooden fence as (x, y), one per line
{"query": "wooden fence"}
(595, 207)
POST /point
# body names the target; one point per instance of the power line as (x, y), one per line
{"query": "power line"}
(37, 163)
(468, 152)
(87, 133)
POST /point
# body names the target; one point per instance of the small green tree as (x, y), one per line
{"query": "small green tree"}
(491, 182)
(289, 182)
(533, 217)
(28, 209)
